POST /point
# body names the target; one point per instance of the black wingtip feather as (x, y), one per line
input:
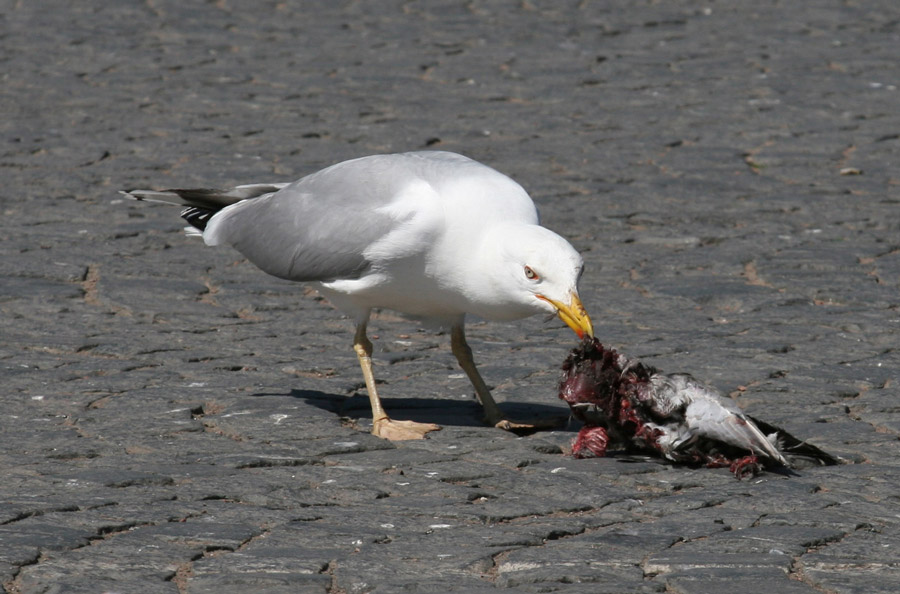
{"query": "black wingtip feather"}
(197, 217)
(790, 446)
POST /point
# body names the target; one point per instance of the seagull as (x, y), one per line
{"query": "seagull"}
(431, 234)
(632, 404)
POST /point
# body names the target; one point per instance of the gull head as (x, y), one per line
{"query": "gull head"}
(538, 271)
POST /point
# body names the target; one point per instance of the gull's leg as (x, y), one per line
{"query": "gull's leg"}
(382, 425)
(463, 354)
(492, 413)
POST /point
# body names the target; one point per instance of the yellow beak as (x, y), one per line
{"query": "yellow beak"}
(573, 315)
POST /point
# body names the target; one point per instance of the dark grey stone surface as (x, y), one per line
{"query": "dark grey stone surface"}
(175, 421)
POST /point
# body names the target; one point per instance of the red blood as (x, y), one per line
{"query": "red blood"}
(590, 443)
(748, 466)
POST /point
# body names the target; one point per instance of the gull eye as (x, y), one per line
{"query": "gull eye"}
(531, 274)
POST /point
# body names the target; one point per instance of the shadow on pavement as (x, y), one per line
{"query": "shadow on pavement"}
(445, 412)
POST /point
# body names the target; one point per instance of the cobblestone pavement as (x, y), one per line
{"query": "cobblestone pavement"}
(174, 420)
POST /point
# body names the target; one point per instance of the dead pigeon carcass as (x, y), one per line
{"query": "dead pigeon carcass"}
(624, 403)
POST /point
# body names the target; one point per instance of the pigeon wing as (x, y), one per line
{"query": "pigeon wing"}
(711, 415)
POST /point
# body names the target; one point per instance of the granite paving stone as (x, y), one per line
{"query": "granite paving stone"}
(175, 421)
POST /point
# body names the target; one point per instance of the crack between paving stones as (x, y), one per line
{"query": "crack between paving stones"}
(212, 428)
(652, 575)
(185, 571)
(101, 401)
(209, 426)
(880, 353)
(89, 285)
(329, 570)
(856, 413)
(102, 534)
(86, 350)
(795, 571)
(40, 512)
(497, 558)
(13, 586)
(209, 295)
(751, 274)
(487, 519)
(873, 262)
(631, 284)
(55, 510)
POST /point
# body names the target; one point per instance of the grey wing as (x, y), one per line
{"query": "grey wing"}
(204, 198)
(714, 416)
(318, 228)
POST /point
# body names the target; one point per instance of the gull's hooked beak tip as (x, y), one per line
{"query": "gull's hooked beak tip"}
(573, 314)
